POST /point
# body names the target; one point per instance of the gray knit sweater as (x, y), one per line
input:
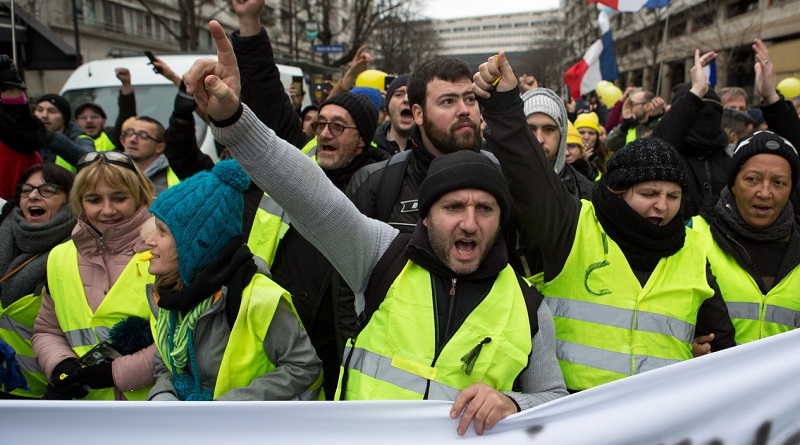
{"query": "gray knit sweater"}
(352, 242)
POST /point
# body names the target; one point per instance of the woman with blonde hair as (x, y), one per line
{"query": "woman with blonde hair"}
(92, 334)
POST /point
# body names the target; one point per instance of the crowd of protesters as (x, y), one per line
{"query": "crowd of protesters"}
(455, 235)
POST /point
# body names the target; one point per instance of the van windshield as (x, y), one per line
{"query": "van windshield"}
(156, 101)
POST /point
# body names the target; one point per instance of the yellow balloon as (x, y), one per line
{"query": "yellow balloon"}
(373, 79)
(602, 86)
(610, 95)
(789, 87)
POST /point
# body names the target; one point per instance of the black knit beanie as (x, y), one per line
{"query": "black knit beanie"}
(464, 169)
(763, 142)
(361, 109)
(399, 81)
(648, 159)
(60, 103)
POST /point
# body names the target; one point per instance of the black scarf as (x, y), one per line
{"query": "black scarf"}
(730, 221)
(642, 242)
(20, 129)
(234, 263)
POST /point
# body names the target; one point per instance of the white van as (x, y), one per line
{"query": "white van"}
(97, 82)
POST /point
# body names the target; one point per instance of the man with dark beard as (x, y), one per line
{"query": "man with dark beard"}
(447, 118)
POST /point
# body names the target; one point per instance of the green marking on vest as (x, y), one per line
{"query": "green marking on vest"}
(592, 267)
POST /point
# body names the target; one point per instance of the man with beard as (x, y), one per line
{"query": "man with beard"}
(393, 135)
(447, 120)
(92, 118)
(640, 114)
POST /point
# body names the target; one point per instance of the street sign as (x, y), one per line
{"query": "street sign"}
(329, 48)
(312, 30)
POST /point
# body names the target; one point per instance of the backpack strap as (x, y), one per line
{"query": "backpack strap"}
(390, 184)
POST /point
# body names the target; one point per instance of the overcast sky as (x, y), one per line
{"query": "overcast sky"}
(451, 9)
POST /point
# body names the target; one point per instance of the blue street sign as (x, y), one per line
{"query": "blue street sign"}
(329, 48)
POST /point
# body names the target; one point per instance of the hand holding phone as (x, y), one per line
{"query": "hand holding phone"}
(152, 58)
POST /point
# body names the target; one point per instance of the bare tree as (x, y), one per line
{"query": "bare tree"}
(404, 40)
(545, 62)
(348, 21)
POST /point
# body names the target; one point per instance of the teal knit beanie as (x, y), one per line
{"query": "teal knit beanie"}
(204, 213)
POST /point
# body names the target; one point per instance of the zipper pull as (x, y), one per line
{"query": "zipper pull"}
(472, 356)
(453, 287)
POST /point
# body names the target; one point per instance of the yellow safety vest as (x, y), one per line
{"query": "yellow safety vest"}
(105, 145)
(269, 227)
(84, 329)
(244, 358)
(395, 357)
(755, 315)
(172, 178)
(16, 329)
(608, 326)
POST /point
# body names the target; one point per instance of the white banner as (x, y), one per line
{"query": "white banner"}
(746, 395)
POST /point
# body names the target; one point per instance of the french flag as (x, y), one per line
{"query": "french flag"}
(631, 5)
(599, 63)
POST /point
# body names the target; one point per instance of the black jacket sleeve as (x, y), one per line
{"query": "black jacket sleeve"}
(713, 318)
(674, 126)
(262, 89)
(544, 207)
(182, 152)
(127, 109)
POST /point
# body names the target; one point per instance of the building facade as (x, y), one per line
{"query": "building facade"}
(475, 39)
(655, 48)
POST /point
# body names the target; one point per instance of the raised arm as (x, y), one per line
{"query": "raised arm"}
(546, 210)
(320, 212)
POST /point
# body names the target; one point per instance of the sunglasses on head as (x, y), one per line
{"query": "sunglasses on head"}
(112, 157)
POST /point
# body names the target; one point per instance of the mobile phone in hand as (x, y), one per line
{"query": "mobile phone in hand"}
(101, 353)
(152, 58)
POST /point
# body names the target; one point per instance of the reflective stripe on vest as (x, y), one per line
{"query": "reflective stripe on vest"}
(16, 329)
(395, 355)
(84, 329)
(269, 227)
(755, 315)
(607, 325)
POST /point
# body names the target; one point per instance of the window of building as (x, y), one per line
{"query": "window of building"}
(113, 19)
(678, 29)
(742, 7)
(521, 25)
(485, 27)
(704, 20)
(504, 26)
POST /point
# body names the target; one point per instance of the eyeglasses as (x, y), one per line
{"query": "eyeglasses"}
(45, 190)
(141, 134)
(574, 147)
(89, 117)
(112, 157)
(335, 129)
(633, 104)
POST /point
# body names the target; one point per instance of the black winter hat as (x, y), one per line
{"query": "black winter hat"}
(94, 107)
(464, 169)
(763, 142)
(60, 103)
(648, 159)
(399, 81)
(361, 109)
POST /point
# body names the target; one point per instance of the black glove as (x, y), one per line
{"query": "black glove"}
(96, 376)
(65, 368)
(60, 388)
(68, 392)
(184, 104)
(9, 77)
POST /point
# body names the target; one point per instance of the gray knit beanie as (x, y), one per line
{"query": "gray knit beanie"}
(763, 142)
(464, 169)
(647, 159)
(543, 100)
(361, 109)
